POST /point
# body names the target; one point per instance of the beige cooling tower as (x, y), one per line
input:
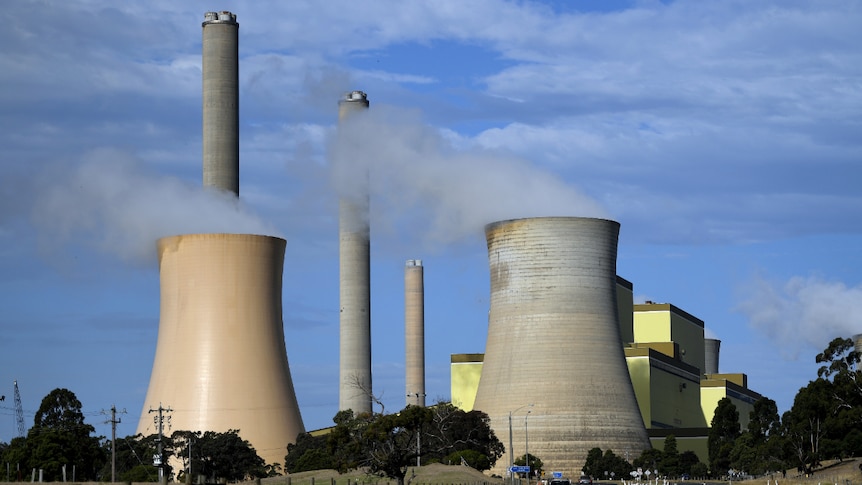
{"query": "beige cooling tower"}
(220, 360)
(554, 342)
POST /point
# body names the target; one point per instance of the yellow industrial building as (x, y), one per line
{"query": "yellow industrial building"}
(673, 368)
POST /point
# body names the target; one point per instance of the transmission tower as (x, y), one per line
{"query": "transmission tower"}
(19, 412)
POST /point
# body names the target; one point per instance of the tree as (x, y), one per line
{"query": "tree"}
(806, 423)
(593, 463)
(650, 459)
(670, 459)
(219, 455)
(131, 452)
(843, 368)
(598, 464)
(723, 431)
(308, 453)
(615, 465)
(766, 439)
(59, 438)
(451, 430)
(390, 442)
(535, 463)
(689, 463)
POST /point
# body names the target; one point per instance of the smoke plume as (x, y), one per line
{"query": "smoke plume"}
(414, 174)
(110, 202)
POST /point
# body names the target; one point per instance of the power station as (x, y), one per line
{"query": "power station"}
(567, 351)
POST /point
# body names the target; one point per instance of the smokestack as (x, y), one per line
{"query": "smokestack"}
(221, 101)
(711, 348)
(554, 346)
(414, 332)
(220, 360)
(354, 253)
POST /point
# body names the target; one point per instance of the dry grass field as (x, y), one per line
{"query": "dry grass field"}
(832, 473)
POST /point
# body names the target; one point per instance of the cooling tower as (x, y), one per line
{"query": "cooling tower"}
(414, 332)
(220, 65)
(354, 253)
(711, 348)
(554, 343)
(220, 360)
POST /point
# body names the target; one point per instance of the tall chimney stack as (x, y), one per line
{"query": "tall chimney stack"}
(221, 101)
(414, 332)
(354, 253)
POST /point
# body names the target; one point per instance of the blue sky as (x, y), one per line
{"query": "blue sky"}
(723, 136)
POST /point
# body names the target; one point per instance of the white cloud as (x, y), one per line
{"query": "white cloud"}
(802, 313)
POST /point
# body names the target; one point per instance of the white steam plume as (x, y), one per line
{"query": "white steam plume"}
(111, 202)
(802, 312)
(414, 174)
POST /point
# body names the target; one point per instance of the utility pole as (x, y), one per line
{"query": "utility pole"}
(159, 459)
(114, 421)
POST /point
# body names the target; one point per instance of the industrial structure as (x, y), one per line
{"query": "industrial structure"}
(672, 368)
(220, 361)
(354, 256)
(568, 352)
(220, 66)
(554, 342)
(414, 332)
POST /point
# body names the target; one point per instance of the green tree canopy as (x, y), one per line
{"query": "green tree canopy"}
(219, 455)
(723, 432)
(59, 438)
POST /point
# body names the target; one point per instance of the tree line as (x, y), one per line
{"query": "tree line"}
(825, 422)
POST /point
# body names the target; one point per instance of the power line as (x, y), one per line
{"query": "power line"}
(114, 421)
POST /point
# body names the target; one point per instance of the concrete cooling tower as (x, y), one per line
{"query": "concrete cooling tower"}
(220, 360)
(220, 66)
(354, 254)
(414, 332)
(711, 348)
(554, 346)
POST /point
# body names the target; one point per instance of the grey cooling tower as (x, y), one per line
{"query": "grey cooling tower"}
(220, 65)
(554, 342)
(711, 353)
(354, 254)
(414, 332)
(220, 360)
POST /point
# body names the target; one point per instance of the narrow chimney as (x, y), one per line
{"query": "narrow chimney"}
(414, 332)
(221, 101)
(354, 253)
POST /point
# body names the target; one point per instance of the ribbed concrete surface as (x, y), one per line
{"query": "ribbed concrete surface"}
(554, 340)
(220, 66)
(414, 332)
(354, 253)
(220, 359)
